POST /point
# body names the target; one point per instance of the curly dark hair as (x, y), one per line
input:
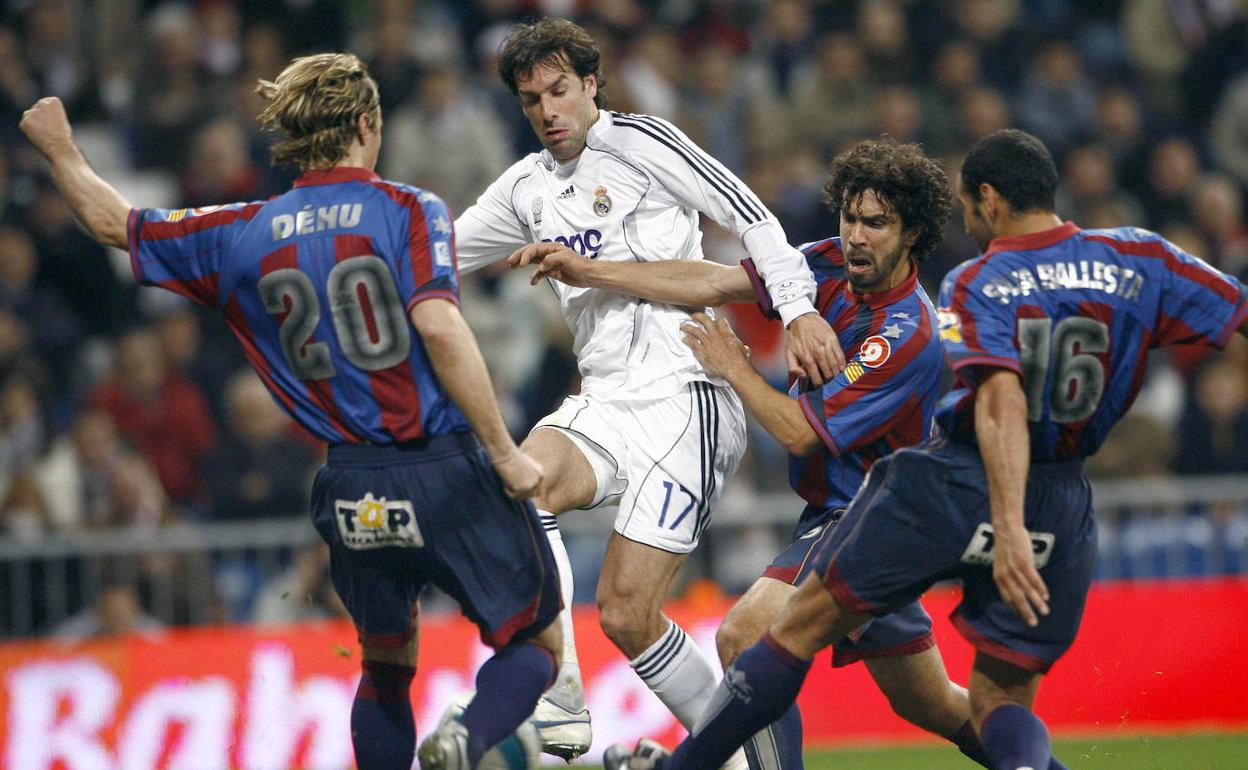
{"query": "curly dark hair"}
(904, 179)
(556, 43)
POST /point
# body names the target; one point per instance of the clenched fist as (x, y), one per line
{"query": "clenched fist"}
(47, 126)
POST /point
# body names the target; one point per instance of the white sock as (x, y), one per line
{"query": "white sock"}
(568, 690)
(676, 670)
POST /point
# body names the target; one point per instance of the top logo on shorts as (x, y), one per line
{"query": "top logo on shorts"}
(602, 203)
(875, 351)
(374, 522)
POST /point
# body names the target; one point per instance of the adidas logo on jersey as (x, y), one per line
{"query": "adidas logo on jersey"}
(568, 193)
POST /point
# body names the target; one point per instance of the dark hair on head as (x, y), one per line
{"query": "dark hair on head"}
(1017, 165)
(553, 42)
(904, 179)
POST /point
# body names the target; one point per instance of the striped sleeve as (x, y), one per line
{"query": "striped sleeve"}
(976, 330)
(182, 249)
(424, 255)
(1199, 305)
(698, 181)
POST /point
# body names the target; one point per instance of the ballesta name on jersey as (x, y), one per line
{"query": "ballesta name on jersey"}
(1048, 276)
(309, 220)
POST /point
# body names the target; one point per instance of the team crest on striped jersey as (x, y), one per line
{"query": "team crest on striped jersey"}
(853, 370)
(602, 202)
(875, 351)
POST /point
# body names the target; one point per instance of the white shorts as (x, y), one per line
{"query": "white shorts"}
(663, 462)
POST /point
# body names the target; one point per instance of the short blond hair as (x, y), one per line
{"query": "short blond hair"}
(315, 102)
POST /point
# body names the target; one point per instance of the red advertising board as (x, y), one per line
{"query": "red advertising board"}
(1156, 656)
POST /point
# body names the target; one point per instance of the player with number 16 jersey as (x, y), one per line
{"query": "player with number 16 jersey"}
(1075, 312)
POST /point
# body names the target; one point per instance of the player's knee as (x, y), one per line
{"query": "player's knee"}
(628, 624)
(730, 640)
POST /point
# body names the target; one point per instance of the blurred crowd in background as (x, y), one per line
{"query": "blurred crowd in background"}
(122, 407)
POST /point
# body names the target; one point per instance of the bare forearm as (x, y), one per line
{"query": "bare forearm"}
(687, 282)
(1004, 443)
(780, 415)
(96, 203)
(457, 361)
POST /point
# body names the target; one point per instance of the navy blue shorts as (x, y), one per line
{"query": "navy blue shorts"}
(398, 517)
(904, 632)
(923, 516)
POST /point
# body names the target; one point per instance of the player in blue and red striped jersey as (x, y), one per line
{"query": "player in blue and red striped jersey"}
(892, 202)
(1047, 331)
(344, 294)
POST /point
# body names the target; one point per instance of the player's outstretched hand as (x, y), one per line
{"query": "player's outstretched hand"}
(47, 126)
(812, 350)
(1018, 580)
(522, 475)
(553, 260)
(715, 345)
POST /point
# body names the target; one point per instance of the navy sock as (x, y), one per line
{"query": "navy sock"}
(968, 743)
(1054, 764)
(1015, 738)
(778, 745)
(758, 688)
(508, 686)
(383, 732)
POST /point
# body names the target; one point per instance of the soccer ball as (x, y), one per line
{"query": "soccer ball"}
(519, 751)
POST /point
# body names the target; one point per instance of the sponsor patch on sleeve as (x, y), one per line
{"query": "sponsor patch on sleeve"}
(950, 325)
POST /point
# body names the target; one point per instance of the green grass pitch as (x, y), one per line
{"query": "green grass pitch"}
(1224, 751)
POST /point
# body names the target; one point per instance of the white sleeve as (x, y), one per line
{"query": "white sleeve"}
(700, 182)
(490, 229)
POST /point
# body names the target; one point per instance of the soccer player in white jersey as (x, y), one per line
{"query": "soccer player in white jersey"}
(651, 431)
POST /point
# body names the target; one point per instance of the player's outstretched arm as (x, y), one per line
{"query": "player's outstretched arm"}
(99, 206)
(457, 361)
(1004, 443)
(688, 282)
(724, 355)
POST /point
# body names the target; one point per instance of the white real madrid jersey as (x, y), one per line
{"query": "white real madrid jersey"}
(633, 194)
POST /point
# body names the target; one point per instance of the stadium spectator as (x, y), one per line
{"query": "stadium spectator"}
(1214, 439)
(1173, 169)
(76, 267)
(117, 611)
(73, 477)
(259, 470)
(53, 328)
(831, 100)
(165, 416)
(982, 110)
(1218, 215)
(220, 169)
(1226, 133)
(716, 111)
(301, 592)
(1058, 100)
(650, 73)
(22, 433)
(956, 69)
(1089, 182)
(882, 28)
(449, 140)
